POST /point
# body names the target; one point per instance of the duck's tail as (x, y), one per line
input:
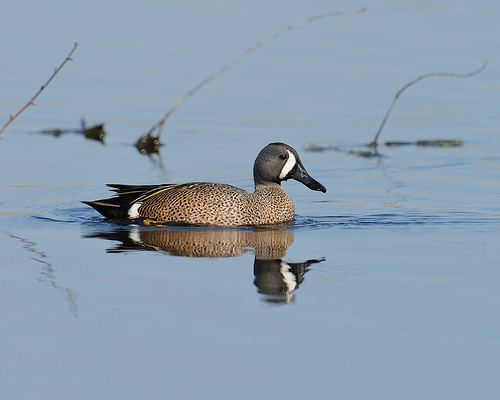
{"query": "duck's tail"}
(118, 207)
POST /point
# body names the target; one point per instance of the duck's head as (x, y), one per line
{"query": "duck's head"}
(279, 162)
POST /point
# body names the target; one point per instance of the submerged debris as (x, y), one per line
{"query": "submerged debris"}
(319, 148)
(94, 132)
(440, 143)
(148, 144)
(366, 154)
(428, 143)
(373, 151)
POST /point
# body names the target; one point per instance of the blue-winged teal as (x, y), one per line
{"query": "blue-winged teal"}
(216, 204)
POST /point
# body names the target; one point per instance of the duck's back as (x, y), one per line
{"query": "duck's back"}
(207, 203)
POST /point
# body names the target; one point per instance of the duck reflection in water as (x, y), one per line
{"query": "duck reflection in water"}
(275, 279)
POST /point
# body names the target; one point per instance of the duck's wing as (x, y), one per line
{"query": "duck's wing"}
(129, 197)
(117, 207)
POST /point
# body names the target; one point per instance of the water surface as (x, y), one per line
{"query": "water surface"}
(384, 287)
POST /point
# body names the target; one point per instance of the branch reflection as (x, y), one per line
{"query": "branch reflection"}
(48, 272)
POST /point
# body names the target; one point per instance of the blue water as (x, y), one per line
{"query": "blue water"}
(385, 287)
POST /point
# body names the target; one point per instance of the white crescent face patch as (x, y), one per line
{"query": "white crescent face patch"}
(290, 163)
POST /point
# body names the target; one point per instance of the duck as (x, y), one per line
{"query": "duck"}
(215, 204)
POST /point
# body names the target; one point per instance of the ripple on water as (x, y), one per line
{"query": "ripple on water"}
(438, 218)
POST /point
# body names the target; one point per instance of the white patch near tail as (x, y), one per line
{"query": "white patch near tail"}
(288, 277)
(135, 235)
(290, 163)
(133, 211)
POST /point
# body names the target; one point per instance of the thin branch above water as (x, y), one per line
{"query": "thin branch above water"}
(417, 79)
(148, 137)
(31, 101)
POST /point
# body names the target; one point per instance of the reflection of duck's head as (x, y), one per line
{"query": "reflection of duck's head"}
(195, 242)
(277, 279)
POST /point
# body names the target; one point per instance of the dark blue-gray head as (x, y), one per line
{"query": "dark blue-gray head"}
(279, 162)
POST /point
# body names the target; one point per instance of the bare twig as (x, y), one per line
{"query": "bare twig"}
(159, 125)
(31, 101)
(447, 74)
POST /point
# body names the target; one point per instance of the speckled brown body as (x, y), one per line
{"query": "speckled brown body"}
(207, 203)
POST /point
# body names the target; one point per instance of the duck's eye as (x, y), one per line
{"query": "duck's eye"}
(283, 156)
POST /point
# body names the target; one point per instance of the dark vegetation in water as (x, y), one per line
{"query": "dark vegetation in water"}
(429, 143)
(372, 151)
(94, 132)
(149, 144)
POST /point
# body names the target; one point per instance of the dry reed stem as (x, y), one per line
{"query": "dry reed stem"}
(159, 125)
(419, 78)
(31, 101)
